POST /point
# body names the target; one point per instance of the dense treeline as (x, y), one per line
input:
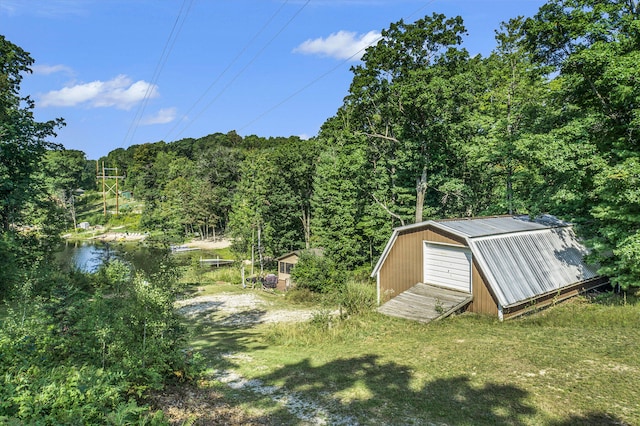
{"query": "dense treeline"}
(547, 123)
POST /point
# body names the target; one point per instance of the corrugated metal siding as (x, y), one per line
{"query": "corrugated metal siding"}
(478, 227)
(521, 266)
(403, 266)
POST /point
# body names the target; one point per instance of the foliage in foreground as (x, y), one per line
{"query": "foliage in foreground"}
(82, 349)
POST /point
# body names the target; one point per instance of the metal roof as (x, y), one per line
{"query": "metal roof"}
(478, 227)
(521, 266)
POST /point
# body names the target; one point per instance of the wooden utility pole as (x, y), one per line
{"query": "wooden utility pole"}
(108, 187)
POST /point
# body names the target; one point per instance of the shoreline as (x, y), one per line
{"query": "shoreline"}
(140, 236)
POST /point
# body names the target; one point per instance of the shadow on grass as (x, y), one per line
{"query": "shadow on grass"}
(368, 390)
(590, 419)
(223, 342)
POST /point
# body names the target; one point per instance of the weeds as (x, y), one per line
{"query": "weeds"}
(358, 297)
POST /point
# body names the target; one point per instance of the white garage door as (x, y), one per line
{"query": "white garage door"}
(447, 266)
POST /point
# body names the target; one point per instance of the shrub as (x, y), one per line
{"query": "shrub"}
(358, 297)
(302, 295)
(317, 273)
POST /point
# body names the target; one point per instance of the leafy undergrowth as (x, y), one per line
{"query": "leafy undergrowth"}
(575, 363)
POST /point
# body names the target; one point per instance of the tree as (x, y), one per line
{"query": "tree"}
(406, 98)
(338, 203)
(594, 47)
(23, 141)
(64, 172)
(508, 114)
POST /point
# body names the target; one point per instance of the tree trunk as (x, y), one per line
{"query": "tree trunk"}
(421, 190)
(510, 189)
(306, 226)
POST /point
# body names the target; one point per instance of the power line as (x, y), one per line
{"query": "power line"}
(326, 73)
(166, 52)
(235, 59)
(246, 66)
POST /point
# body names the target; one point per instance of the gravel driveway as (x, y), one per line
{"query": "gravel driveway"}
(232, 309)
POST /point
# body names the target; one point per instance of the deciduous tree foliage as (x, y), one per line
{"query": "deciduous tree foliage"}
(593, 47)
(23, 141)
(69, 353)
(547, 123)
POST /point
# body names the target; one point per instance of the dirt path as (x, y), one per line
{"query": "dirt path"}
(240, 310)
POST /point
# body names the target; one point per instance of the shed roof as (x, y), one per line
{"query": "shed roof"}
(313, 251)
(520, 258)
(520, 266)
(495, 225)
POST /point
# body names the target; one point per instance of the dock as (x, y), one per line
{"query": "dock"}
(182, 249)
(215, 262)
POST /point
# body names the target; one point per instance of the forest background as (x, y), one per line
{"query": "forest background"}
(548, 123)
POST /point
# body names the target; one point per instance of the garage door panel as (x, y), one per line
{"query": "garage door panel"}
(444, 264)
(448, 271)
(447, 266)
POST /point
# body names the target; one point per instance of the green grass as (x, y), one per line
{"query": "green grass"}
(575, 363)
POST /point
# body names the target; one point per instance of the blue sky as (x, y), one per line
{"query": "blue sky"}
(124, 72)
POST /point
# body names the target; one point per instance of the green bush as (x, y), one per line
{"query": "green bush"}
(358, 297)
(73, 350)
(302, 296)
(317, 273)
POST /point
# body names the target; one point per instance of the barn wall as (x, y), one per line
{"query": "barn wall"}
(483, 301)
(402, 269)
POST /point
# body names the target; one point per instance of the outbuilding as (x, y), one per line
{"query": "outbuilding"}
(500, 265)
(286, 262)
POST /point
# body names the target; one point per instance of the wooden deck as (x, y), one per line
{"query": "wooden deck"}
(425, 303)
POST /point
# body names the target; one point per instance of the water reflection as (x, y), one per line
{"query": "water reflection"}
(88, 256)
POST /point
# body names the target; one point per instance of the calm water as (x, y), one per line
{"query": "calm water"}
(89, 256)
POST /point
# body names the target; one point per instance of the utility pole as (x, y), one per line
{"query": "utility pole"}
(108, 187)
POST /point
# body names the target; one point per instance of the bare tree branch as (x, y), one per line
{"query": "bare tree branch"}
(387, 210)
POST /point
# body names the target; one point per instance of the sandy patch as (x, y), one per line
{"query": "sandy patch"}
(209, 245)
(246, 310)
(120, 236)
(238, 310)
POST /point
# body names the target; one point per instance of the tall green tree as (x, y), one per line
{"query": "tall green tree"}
(23, 141)
(64, 172)
(507, 115)
(338, 202)
(409, 102)
(593, 47)
(23, 144)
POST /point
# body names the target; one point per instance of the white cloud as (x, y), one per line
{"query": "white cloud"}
(51, 69)
(44, 8)
(340, 45)
(165, 115)
(120, 92)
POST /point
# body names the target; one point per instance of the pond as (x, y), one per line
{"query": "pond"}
(88, 256)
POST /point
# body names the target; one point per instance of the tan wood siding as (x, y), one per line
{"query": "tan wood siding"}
(283, 277)
(403, 267)
(483, 302)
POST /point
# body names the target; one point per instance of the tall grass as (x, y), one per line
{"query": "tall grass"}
(358, 297)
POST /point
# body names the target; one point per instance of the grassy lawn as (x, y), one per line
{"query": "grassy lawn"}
(575, 363)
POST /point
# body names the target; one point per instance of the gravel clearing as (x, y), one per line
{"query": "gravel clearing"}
(238, 310)
(242, 310)
(308, 412)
